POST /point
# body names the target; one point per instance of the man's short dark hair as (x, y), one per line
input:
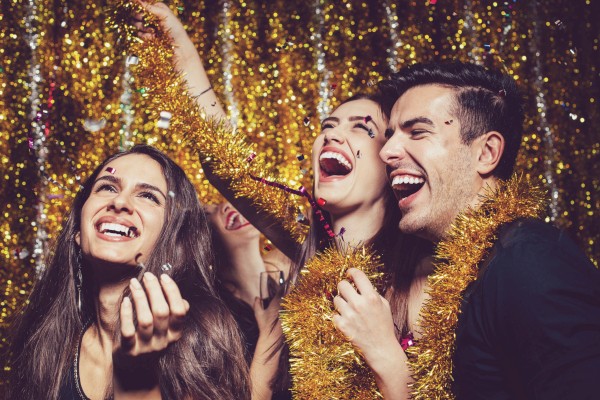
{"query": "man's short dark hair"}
(486, 100)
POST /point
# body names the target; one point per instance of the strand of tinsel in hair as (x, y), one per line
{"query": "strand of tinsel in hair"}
(324, 364)
(230, 155)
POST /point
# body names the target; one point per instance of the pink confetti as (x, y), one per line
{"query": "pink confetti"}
(110, 170)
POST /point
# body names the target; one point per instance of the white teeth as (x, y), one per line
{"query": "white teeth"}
(340, 158)
(406, 179)
(112, 229)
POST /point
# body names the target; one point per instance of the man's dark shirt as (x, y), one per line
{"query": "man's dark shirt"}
(529, 326)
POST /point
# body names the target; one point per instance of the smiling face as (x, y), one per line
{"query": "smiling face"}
(123, 217)
(230, 225)
(432, 172)
(348, 172)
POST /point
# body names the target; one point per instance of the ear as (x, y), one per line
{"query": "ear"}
(490, 147)
(78, 238)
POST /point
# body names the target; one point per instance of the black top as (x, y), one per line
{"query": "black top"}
(71, 386)
(529, 326)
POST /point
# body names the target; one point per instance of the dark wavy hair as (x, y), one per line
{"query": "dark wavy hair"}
(205, 363)
(485, 100)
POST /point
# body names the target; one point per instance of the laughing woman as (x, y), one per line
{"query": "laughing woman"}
(127, 306)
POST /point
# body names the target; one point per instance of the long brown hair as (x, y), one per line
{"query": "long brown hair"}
(206, 363)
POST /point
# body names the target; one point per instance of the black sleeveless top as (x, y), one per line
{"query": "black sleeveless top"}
(71, 386)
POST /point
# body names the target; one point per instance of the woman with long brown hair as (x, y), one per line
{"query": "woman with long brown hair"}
(127, 304)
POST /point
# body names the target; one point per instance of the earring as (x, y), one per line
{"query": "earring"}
(79, 281)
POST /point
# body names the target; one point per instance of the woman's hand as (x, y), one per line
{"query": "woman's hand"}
(365, 318)
(160, 312)
(186, 59)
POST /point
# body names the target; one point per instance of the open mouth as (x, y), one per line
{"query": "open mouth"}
(117, 230)
(407, 185)
(334, 164)
(235, 221)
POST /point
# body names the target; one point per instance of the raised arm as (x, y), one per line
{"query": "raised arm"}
(188, 63)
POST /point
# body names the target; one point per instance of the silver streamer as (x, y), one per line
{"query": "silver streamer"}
(323, 108)
(392, 52)
(226, 51)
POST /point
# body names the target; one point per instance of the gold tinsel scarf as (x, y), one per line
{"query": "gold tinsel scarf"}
(324, 364)
(228, 152)
(457, 262)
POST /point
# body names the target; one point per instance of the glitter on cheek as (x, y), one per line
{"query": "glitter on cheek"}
(110, 170)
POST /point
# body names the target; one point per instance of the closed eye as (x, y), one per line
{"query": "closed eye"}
(418, 132)
(326, 126)
(106, 186)
(151, 196)
(361, 126)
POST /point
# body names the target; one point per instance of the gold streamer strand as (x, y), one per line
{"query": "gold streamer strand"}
(457, 261)
(324, 364)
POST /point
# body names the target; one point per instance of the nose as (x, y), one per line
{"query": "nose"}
(226, 207)
(334, 135)
(393, 151)
(122, 203)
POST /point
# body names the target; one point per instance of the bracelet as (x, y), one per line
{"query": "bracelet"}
(205, 91)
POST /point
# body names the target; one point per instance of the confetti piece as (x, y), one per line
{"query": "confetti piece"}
(487, 47)
(449, 122)
(368, 118)
(132, 60)
(267, 248)
(303, 171)
(30, 143)
(370, 83)
(213, 104)
(110, 170)
(321, 202)
(94, 125)
(371, 134)
(166, 267)
(502, 92)
(171, 194)
(333, 86)
(432, 2)
(251, 157)
(55, 196)
(142, 90)
(300, 157)
(165, 120)
(358, 154)
(306, 121)
(342, 231)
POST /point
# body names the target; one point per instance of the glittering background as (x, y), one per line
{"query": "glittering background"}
(68, 99)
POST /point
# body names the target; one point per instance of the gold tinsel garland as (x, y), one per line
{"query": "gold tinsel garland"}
(457, 264)
(226, 150)
(324, 364)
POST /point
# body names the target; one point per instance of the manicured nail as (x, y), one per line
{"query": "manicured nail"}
(135, 283)
(149, 275)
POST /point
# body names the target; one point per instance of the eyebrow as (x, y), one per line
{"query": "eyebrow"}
(117, 180)
(352, 118)
(418, 120)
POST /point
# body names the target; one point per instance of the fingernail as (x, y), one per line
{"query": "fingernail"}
(135, 283)
(126, 301)
(149, 275)
(166, 278)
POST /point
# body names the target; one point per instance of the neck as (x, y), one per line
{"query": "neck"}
(108, 303)
(243, 270)
(359, 225)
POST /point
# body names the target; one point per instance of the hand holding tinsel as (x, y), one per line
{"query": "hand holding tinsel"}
(364, 317)
(324, 363)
